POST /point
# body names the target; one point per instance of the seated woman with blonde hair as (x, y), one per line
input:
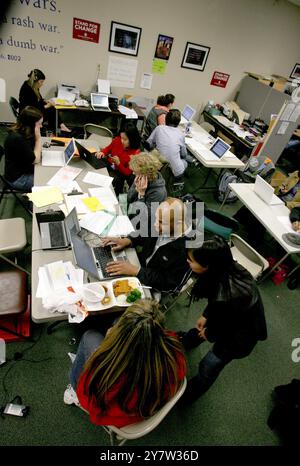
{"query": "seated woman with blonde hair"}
(129, 374)
(149, 185)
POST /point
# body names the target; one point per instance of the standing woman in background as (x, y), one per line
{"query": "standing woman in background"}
(157, 114)
(30, 95)
(23, 147)
(119, 153)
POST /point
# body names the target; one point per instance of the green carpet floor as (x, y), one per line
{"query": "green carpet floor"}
(233, 412)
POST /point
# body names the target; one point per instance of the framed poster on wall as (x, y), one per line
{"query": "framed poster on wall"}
(163, 47)
(124, 38)
(195, 56)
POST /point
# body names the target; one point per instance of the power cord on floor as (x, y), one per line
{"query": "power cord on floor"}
(12, 407)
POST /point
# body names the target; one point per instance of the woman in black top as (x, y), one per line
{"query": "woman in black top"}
(234, 316)
(30, 95)
(23, 148)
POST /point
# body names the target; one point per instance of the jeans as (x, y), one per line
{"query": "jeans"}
(89, 342)
(23, 184)
(209, 369)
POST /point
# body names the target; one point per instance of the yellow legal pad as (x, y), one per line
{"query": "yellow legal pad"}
(46, 196)
(93, 204)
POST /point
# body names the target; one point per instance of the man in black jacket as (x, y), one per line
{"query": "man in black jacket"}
(163, 258)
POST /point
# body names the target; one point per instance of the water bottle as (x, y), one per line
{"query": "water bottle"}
(2, 351)
(188, 128)
(253, 164)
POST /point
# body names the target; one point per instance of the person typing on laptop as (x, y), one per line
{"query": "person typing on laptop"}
(23, 147)
(163, 258)
(119, 153)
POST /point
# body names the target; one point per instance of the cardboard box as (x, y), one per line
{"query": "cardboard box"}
(276, 81)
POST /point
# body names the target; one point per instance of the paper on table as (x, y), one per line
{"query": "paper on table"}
(93, 204)
(96, 222)
(64, 176)
(106, 197)
(285, 221)
(128, 112)
(75, 200)
(122, 226)
(45, 196)
(97, 179)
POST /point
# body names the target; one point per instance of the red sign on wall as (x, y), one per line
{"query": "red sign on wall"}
(219, 79)
(86, 30)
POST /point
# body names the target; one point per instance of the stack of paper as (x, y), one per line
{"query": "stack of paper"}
(64, 176)
(97, 179)
(76, 200)
(45, 195)
(122, 226)
(96, 222)
(106, 197)
(60, 287)
(57, 276)
(128, 112)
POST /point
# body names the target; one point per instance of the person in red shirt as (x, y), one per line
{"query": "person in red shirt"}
(129, 374)
(119, 153)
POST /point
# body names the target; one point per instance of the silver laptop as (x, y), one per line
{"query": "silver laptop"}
(56, 234)
(94, 259)
(187, 114)
(100, 102)
(266, 192)
(52, 158)
(217, 151)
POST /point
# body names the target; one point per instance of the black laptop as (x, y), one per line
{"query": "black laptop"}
(90, 158)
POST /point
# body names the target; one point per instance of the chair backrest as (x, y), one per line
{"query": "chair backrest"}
(91, 129)
(133, 431)
(246, 256)
(216, 228)
(14, 105)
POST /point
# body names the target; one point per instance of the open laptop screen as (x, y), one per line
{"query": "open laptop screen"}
(72, 224)
(219, 147)
(99, 100)
(83, 255)
(188, 112)
(69, 151)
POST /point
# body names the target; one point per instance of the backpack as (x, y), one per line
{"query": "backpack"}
(223, 190)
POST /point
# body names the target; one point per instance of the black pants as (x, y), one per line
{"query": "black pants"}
(119, 180)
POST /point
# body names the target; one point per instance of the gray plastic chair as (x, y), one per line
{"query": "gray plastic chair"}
(90, 130)
(133, 431)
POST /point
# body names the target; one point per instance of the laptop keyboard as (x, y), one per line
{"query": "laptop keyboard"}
(57, 237)
(103, 256)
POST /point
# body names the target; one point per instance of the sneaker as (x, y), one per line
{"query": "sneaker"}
(72, 356)
(70, 397)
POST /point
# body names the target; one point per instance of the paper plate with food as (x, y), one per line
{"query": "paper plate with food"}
(127, 290)
(97, 296)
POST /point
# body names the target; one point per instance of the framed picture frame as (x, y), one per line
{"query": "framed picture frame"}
(163, 47)
(124, 38)
(296, 72)
(195, 56)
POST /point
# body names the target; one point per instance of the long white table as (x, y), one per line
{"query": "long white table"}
(39, 257)
(198, 134)
(268, 217)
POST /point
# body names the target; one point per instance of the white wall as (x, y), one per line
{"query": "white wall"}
(261, 36)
